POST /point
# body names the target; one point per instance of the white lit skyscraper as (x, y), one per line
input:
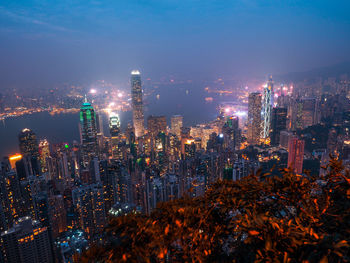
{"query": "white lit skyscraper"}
(137, 104)
(114, 124)
(266, 108)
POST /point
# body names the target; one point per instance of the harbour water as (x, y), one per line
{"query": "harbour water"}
(64, 127)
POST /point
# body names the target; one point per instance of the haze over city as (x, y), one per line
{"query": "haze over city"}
(45, 43)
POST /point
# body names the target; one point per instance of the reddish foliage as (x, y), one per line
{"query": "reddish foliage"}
(291, 218)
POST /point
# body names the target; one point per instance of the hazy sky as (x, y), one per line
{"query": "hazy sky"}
(45, 42)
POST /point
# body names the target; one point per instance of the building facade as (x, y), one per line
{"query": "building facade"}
(88, 131)
(137, 104)
(254, 117)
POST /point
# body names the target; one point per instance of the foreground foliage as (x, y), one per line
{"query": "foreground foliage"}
(291, 218)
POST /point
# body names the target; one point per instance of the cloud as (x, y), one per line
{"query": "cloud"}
(17, 17)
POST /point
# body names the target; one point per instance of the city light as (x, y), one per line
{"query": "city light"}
(15, 157)
(241, 113)
(113, 114)
(189, 141)
(231, 165)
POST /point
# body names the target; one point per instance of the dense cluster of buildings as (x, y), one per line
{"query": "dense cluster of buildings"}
(55, 200)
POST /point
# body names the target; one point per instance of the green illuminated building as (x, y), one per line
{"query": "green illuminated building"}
(88, 131)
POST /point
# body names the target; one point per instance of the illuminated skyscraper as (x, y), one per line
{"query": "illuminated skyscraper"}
(58, 215)
(232, 133)
(174, 147)
(28, 143)
(44, 152)
(266, 109)
(296, 154)
(176, 125)
(254, 117)
(27, 241)
(137, 104)
(156, 124)
(309, 112)
(114, 124)
(88, 131)
(114, 131)
(188, 148)
(10, 193)
(13, 159)
(88, 202)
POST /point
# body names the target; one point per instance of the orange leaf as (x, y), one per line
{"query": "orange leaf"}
(254, 233)
(324, 260)
(161, 255)
(166, 231)
(178, 223)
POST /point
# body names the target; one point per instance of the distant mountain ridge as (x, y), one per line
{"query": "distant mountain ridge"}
(325, 72)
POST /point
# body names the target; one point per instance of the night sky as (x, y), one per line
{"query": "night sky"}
(48, 42)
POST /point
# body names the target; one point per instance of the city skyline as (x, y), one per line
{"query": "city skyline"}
(168, 131)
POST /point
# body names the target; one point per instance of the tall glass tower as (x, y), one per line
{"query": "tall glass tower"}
(28, 143)
(266, 110)
(137, 104)
(88, 131)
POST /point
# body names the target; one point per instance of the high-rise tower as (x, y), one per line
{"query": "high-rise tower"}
(44, 151)
(89, 204)
(114, 131)
(176, 125)
(278, 124)
(28, 143)
(114, 124)
(266, 108)
(137, 104)
(296, 154)
(27, 241)
(254, 117)
(232, 133)
(156, 124)
(88, 131)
